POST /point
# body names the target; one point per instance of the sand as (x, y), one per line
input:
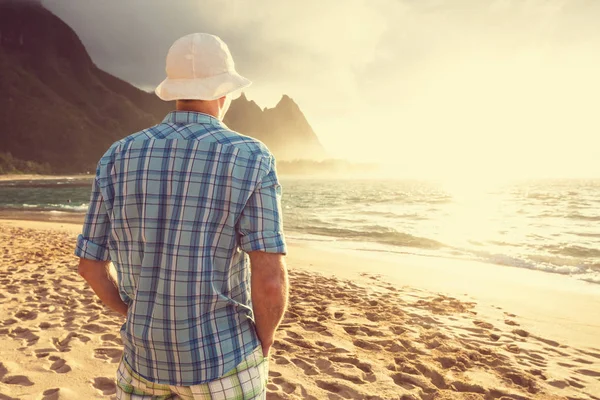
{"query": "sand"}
(360, 326)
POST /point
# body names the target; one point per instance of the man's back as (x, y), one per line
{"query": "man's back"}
(176, 208)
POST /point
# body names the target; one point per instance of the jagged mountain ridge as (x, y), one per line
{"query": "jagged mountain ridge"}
(283, 128)
(57, 107)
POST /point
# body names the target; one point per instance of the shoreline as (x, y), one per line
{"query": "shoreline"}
(35, 177)
(591, 276)
(366, 308)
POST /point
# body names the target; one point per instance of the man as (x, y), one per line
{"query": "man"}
(179, 208)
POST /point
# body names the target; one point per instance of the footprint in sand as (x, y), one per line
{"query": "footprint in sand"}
(26, 315)
(294, 335)
(20, 380)
(589, 372)
(271, 387)
(297, 342)
(548, 341)
(363, 366)
(93, 318)
(285, 386)
(447, 362)
(281, 360)
(65, 344)
(45, 325)
(51, 394)
(465, 387)
(561, 384)
(313, 326)
(307, 368)
(583, 361)
(483, 325)
(494, 336)
(25, 335)
(44, 352)
(339, 389)
(376, 317)
(513, 348)
(109, 337)
(105, 385)
(112, 354)
(589, 353)
(521, 333)
(408, 381)
(398, 330)
(366, 345)
(59, 365)
(520, 379)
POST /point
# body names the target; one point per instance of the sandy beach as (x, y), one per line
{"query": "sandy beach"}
(360, 326)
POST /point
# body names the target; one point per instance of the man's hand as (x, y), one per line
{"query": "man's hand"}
(96, 273)
(269, 294)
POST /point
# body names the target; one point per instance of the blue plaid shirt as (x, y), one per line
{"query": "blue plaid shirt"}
(176, 207)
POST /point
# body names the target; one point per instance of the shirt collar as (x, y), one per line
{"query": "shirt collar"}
(190, 117)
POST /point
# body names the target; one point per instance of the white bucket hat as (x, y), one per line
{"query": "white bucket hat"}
(200, 67)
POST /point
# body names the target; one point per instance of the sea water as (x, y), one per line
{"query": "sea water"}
(550, 225)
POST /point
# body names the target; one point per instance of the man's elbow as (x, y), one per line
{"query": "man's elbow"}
(88, 268)
(274, 287)
(269, 275)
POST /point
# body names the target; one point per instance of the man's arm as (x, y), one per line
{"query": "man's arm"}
(269, 294)
(97, 274)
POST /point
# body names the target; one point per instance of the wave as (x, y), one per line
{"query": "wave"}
(388, 214)
(584, 217)
(592, 235)
(376, 234)
(575, 251)
(53, 207)
(48, 184)
(588, 273)
(512, 261)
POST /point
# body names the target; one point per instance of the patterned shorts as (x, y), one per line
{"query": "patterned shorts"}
(247, 381)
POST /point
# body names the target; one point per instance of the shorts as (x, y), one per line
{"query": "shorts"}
(247, 381)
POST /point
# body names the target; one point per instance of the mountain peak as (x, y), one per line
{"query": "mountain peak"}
(286, 101)
(283, 128)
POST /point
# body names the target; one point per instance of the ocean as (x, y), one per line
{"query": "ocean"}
(550, 225)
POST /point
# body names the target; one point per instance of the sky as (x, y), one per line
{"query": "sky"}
(440, 88)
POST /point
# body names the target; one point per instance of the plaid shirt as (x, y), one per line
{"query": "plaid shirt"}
(176, 207)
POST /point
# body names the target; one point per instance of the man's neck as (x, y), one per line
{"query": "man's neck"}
(205, 107)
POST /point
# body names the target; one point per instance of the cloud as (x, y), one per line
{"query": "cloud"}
(445, 72)
(283, 46)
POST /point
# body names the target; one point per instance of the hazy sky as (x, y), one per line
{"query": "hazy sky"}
(436, 87)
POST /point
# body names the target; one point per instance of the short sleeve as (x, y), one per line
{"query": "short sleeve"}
(261, 223)
(92, 244)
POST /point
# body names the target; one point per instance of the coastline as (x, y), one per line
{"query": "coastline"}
(359, 324)
(35, 177)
